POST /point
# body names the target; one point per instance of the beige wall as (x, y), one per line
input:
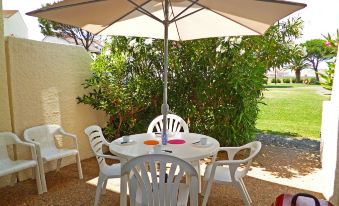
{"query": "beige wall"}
(45, 80)
(5, 118)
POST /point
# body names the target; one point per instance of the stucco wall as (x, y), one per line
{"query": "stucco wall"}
(5, 118)
(45, 80)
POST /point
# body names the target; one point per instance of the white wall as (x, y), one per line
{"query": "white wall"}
(15, 26)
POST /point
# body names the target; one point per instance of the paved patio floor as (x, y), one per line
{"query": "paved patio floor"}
(276, 170)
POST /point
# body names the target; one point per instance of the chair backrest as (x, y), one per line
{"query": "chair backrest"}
(141, 173)
(96, 140)
(43, 134)
(174, 124)
(7, 138)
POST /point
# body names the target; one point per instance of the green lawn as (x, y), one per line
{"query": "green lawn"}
(291, 109)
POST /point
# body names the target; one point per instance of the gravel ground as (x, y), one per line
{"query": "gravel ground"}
(276, 170)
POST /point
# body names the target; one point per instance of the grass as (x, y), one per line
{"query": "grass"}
(292, 110)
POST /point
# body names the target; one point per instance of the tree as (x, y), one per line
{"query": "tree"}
(80, 36)
(317, 52)
(297, 61)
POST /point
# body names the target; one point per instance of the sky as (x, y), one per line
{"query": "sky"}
(320, 16)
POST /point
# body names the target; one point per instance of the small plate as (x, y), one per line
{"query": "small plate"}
(118, 142)
(203, 145)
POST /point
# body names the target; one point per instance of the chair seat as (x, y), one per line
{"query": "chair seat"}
(182, 196)
(222, 174)
(113, 170)
(8, 166)
(49, 154)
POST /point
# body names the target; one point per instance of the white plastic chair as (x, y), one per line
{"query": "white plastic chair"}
(146, 187)
(174, 124)
(43, 138)
(97, 140)
(9, 166)
(231, 171)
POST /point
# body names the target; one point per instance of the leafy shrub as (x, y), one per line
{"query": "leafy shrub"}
(328, 76)
(311, 81)
(275, 80)
(286, 80)
(294, 80)
(126, 84)
(214, 84)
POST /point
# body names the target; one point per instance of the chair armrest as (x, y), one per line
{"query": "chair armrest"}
(67, 134)
(32, 146)
(29, 141)
(27, 144)
(112, 157)
(229, 162)
(231, 151)
(73, 136)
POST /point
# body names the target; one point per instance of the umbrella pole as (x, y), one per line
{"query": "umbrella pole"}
(165, 107)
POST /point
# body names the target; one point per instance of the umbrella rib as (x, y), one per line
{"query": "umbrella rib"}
(205, 7)
(193, 12)
(177, 16)
(61, 7)
(285, 2)
(128, 13)
(176, 25)
(144, 11)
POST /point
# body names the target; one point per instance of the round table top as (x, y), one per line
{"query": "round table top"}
(186, 151)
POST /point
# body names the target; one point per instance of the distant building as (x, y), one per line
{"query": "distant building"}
(95, 47)
(14, 24)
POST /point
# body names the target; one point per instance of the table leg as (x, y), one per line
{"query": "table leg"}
(196, 165)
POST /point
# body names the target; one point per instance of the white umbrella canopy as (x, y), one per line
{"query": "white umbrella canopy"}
(169, 20)
(189, 19)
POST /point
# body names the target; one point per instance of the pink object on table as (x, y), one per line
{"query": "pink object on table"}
(176, 141)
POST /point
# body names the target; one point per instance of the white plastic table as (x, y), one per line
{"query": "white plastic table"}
(187, 151)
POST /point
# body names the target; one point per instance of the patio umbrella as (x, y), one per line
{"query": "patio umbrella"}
(169, 20)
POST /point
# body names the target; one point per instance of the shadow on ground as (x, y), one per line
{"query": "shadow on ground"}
(64, 188)
(287, 163)
(278, 86)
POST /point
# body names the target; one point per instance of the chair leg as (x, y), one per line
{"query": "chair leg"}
(42, 174)
(14, 178)
(104, 186)
(245, 189)
(99, 189)
(33, 173)
(79, 166)
(58, 165)
(207, 191)
(38, 179)
(196, 165)
(243, 194)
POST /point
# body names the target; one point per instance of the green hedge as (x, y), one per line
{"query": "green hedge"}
(275, 80)
(286, 80)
